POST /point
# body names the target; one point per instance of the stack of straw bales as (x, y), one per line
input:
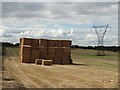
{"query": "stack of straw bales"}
(58, 51)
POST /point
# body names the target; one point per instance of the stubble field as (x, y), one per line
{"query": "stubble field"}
(87, 71)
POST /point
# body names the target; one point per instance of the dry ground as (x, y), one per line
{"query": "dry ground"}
(88, 71)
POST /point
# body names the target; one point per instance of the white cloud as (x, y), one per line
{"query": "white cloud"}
(3, 33)
(60, 1)
(90, 37)
(61, 20)
(80, 37)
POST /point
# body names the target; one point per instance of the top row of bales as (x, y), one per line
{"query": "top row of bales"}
(45, 42)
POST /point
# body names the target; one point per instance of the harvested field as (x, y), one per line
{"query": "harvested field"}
(88, 71)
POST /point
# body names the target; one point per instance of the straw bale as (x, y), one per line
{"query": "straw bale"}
(50, 49)
(67, 54)
(51, 53)
(42, 52)
(50, 57)
(43, 42)
(38, 61)
(66, 43)
(50, 43)
(43, 49)
(34, 55)
(25, 54)
(35, 48)
(66, 49)
(65, 60)
(57, 60)
(26, 41)
(58, 43)
(20, 54)
(20, 42)
(35, 42)
(42, 55)
(59, 54)
(26, 46)
(47, 62)
(58, 51)
(70, 61)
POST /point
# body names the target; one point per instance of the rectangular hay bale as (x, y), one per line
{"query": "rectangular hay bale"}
(25, 54)
(67, 54)
(42, 52)
(43, 42)
(50, 57)
(42, 55)
(65, 60)
(20, 42)
(26, 41)
(47, 62)
(34, 55)
(58, 51)
(66, 43)
(38, 61)
(50, 53)
(35, 48)
(43, 49)
(57, 60)
(50, 49)
(58, 43)
(66, 49)
(35, 43)
(50, 43)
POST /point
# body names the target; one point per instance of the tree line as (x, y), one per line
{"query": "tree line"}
(108, 48)
(8, 44)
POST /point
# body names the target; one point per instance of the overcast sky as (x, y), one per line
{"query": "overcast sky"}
(59, 20)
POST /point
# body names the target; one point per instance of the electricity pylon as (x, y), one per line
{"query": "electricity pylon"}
(100, 31)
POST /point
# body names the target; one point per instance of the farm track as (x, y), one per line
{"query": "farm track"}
(57, 76)
(16, 73)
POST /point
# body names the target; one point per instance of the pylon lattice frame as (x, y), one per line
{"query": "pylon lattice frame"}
(100, 31)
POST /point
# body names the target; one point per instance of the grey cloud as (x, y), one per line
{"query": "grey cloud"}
(94, 8)
(57, 10)
(6, 35)
(21, 9)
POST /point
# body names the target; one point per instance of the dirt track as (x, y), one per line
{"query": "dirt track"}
(55, 76)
